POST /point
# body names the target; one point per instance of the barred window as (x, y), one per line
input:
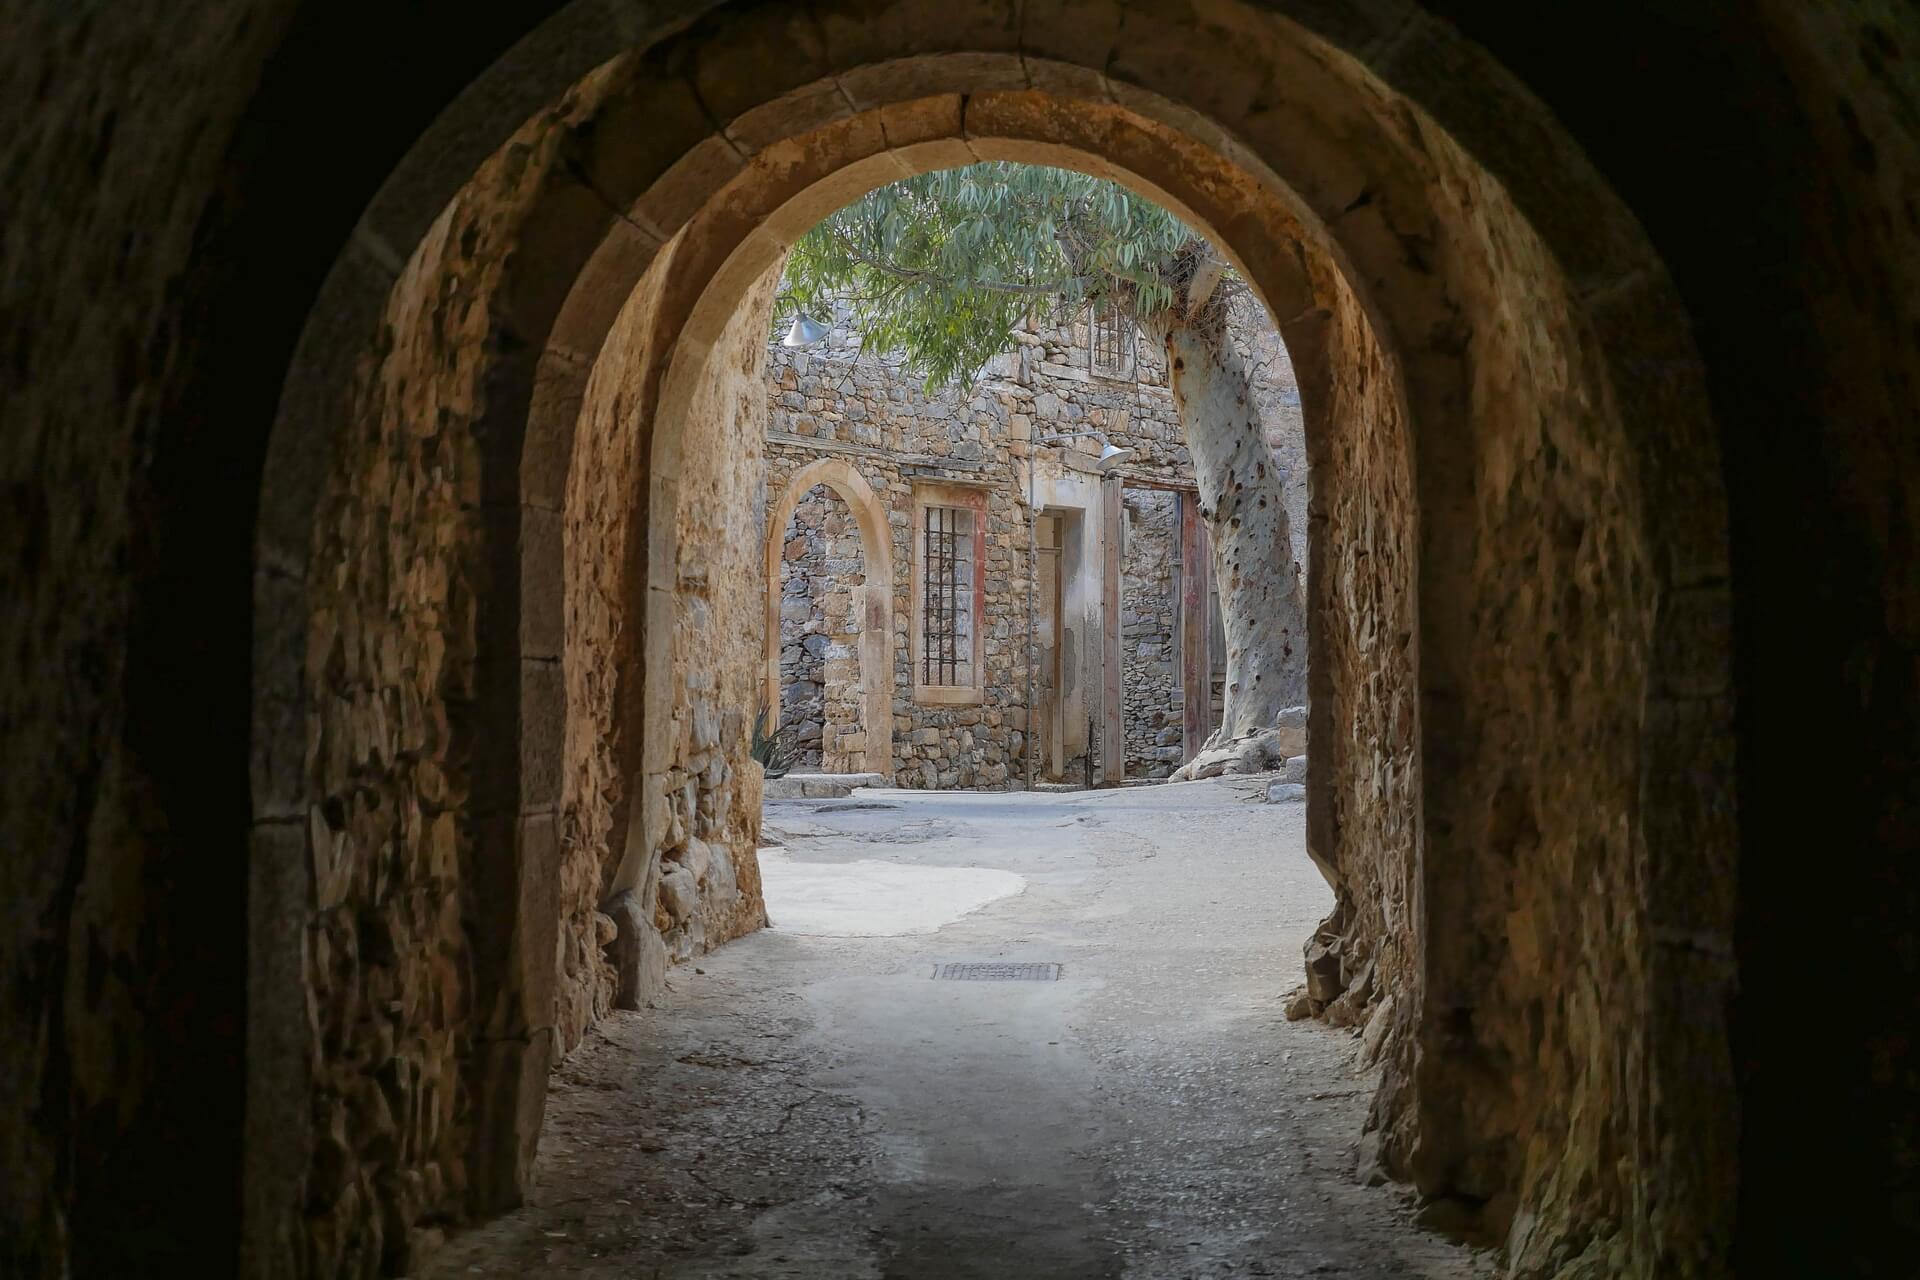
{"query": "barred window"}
(946, 602)
(1110, 342)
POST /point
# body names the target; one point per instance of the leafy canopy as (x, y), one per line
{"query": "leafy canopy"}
(945, 266)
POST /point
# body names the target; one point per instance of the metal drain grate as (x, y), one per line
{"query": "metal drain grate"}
(997, 971)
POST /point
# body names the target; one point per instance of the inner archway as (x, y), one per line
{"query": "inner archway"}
(872, 600)
(686, 227)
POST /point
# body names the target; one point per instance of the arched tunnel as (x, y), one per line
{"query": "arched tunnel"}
(373, 382)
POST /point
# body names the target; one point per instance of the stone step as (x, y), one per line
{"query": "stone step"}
(821, 786)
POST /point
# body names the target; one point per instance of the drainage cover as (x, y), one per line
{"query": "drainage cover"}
(998, 971)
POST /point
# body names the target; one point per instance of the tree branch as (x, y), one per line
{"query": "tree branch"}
(907, 275)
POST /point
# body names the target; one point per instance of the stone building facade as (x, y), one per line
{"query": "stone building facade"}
(951, 471)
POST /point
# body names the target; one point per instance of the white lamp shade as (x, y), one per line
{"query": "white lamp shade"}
(805, 331)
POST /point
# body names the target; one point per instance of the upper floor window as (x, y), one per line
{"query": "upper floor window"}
(1110, 344)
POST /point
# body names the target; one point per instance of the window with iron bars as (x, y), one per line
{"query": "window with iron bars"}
(946, 601)
(1110, 342)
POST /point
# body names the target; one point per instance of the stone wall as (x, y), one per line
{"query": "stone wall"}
(1149, 611)
(387, 948)
(121, 851)
(834, 400)
(1477, 773)
(1828, 674)
(703, 818)
(963, 746)
(820, 566)
(402, 882)
(394, 823)
(1363, 821)
(656, 875)
(1514, 1096)
(1544, 822)
(604, 654)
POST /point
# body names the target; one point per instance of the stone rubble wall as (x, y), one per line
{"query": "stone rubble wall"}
(1540, 813)
(1496, 794)
(391, 673)
(820, 565)
(706, 861)
(693, 829)
(691, 826)
(391, 661)
(834, 400)
(1363, 824)
(934, 746)
(391, 648)
(603, 655)
(1149, 613)
(1528, 837)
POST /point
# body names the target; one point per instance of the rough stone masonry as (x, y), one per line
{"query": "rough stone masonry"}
(871, 412)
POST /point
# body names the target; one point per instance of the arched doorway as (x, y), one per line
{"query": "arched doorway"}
(643, 241)
(272, 152)
(873, 599)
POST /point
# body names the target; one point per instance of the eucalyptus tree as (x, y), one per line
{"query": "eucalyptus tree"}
(944, 267)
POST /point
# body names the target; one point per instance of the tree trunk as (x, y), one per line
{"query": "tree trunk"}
(1242, 502)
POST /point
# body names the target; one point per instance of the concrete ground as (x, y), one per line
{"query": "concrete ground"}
(822, 1106)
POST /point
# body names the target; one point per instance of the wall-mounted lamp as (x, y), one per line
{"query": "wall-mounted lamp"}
(1110, 453)
(806, 331)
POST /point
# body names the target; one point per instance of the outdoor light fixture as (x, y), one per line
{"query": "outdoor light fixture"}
(805, 331)
(1110, 453)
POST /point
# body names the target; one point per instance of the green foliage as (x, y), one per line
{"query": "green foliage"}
(770, 749)
(945, 266)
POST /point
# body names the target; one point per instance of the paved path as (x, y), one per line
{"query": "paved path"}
(821, 1107)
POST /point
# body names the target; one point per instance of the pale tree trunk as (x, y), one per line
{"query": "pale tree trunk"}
(1242, 502)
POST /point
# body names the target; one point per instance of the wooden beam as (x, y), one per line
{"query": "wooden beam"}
(1135, 480)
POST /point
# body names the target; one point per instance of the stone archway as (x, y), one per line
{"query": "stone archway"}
(257, 156)
(1419, 281)
(874, 599)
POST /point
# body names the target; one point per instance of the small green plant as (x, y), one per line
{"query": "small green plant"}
(770, 749)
